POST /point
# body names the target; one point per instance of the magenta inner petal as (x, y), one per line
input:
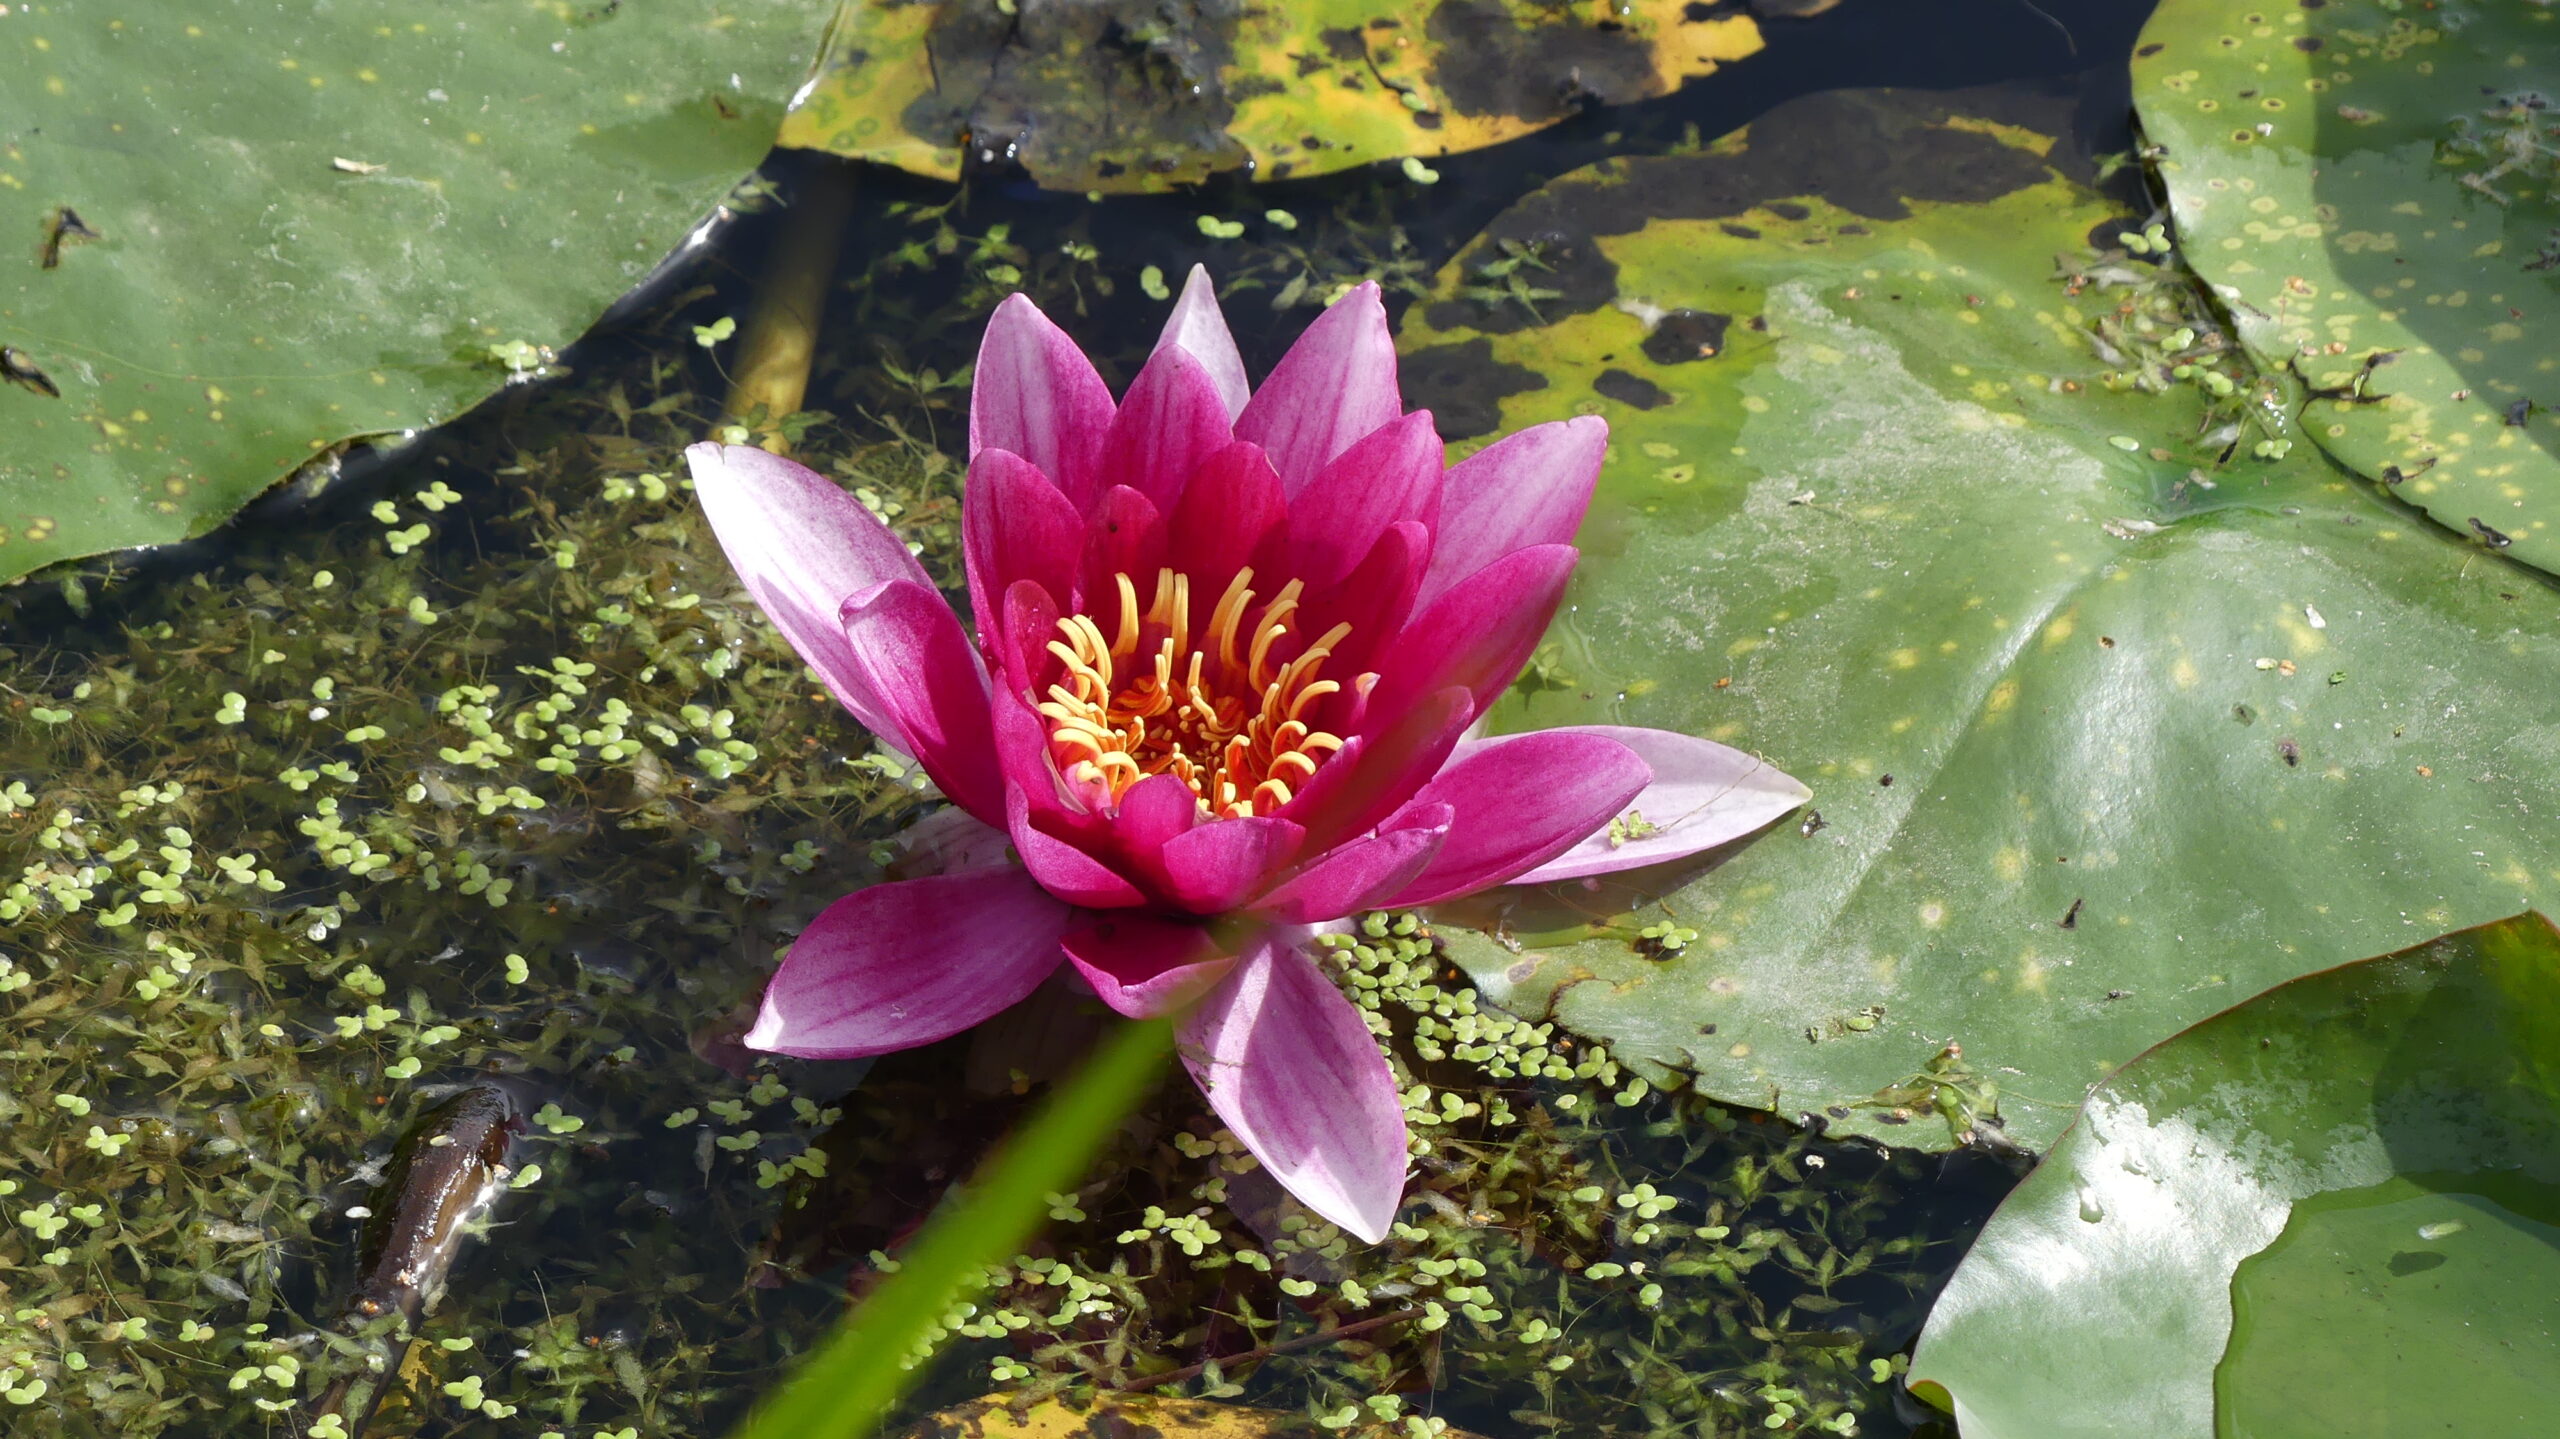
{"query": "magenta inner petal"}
(1016, 527)
(1219, 865)
(1527, 489)
(1392, 473)
(1364, 872)
(1337, 383)
(1143, 966)
(1170, 421)
(1062, 868)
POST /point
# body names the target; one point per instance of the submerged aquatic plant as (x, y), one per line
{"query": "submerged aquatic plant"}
(1230, 646)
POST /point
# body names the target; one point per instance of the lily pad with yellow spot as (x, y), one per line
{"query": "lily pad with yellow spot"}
(1127, 96)
(2104, 733)
(2375, 191)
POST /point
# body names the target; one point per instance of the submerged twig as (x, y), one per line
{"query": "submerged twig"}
(446, 1172)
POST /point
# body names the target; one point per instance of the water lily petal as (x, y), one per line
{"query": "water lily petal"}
(909, 650)
(898, 965)
(1336, 384)
(1019, 642)
(1155, 810)
(1527, 489)
(802, 546)
(1520, 801)
(1218, 865)
(1125, 536)
(1703, 794)
(1361, 874)
(1062, 868)
(1197, 325)
(1036, 394)
(1142, 966)
(1374, 774)
(1392, 473)
(1290, 1066)
(1016, 526)
(1376, 598)
(1231, 504)
(1481, 632)
(1172, 419)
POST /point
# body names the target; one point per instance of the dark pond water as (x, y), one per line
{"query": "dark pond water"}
(591, 955)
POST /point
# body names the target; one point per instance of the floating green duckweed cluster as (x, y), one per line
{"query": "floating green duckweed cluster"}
(508, 785)
(1581, 1255)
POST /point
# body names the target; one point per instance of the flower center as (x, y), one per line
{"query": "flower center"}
(1228, 715)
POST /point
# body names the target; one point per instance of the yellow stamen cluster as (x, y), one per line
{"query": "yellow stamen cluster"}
(1229, 716)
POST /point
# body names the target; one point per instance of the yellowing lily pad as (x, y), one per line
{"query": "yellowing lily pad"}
(2104, 734)
(2374, 188)
(245, 233)
(1123, 96)
(2333, 1209)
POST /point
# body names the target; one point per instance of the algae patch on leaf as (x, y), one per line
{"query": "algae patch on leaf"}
(2374, 191)
(1123, 96)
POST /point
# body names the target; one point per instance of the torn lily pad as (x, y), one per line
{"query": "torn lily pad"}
(1129, 96)
(1864, 516)
(2374, 191)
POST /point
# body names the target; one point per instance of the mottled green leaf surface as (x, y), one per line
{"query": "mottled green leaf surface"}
(2357, 180)
(1128, 95)
(2334, 1209)
(2096, 750)
(314, 222)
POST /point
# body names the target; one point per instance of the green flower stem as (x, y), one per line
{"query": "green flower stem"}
(843, 1387)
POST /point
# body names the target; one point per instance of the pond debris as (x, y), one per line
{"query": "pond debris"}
(17, 369)
(65, 227)
(447, 1172)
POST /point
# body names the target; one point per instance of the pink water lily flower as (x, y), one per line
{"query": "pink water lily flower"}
(1229, 646)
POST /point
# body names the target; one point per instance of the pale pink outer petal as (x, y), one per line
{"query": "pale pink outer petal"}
(1142, 966)
(1531, 488)
(1198, 325)
(1361, 874)
(1517, 802)
(1337, 383)
(802, 546)
(1703, 794)
(910, 651)
(1290, 1066)
(1036, 394)
(898, 965)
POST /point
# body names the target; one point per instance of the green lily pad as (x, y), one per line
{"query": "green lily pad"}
(2382, 215)
(1130, 95)
(312, 227)
(2333, 1209)
(2095, 749)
